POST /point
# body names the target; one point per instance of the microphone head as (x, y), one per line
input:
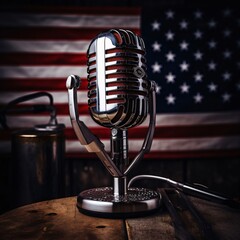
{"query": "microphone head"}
(118, 86)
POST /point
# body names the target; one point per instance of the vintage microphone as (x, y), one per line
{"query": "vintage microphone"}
(120, 96)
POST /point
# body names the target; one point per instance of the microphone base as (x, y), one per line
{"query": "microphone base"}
(101, 202)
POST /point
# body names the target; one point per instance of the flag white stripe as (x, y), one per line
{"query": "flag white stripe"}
(161, 120)
(161, 145)
(42, 71)
(30, 121)
(71, 20)
(197, 118)
(44, 46)
(59, 97)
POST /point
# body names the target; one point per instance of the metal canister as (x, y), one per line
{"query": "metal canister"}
(38, 164)
(38, 171)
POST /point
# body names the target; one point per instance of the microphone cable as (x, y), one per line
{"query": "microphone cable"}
(191, 190)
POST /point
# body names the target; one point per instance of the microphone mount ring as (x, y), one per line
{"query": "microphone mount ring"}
(85, 136)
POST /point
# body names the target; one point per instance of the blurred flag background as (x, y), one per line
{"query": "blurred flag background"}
(192, 53)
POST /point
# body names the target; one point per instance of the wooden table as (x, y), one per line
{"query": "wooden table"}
(60, 219)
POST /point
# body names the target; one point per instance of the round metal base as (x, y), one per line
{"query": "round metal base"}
(101, 202)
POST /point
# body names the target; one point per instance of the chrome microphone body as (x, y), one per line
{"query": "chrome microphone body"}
(120, 96)
(118, 87)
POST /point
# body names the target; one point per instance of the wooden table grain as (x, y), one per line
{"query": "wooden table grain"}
(57, 219)
(60, 219)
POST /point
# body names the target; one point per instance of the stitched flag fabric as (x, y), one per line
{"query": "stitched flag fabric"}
(192, 54)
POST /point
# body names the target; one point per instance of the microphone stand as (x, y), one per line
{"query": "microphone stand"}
(117, 201)
(119, 150)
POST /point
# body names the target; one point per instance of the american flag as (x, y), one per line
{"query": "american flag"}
(193, 55)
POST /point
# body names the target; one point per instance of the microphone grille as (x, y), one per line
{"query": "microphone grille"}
(117, 82)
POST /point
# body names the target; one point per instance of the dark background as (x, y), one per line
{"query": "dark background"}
(221, 174)
(117, 3)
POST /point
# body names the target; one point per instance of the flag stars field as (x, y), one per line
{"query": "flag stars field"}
(183, 24)
(198, 98)
(169, 35)
(226, 97)
(212, 24)
(184, 88)
(212, 66)
(170, 78)
(156, 67)
(226, 76)
(156, 47)
(184, 66)
(198, 14)
(212, 44)
(155, 25)
(184, 45)
(198, 77)
(212, 87)
(196, 58)
(170, 14)
(198, 55)
(198, 34)
(170, 57)
(170, 99)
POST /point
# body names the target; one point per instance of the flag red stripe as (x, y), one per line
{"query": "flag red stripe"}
(201, 154)
(74, 10)
(197, 131)
(39, 59)
(170, 132)
(62, 109)
(52, 33)
(161, 155)
(37, 84)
